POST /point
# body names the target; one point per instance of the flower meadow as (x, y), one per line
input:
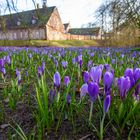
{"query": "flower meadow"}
(69, 93)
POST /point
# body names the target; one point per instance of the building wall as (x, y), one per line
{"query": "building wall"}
(23, 34)
(82, 37)
(55, 27)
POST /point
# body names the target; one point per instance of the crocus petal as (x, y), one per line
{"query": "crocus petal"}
(124, 85)
(96, 73)
(68, 99)
(86, 76)
(56, 79)
(108, 80)
(83, 90)
(66, 80)
(107, 102)
(129, 72)
(93, 90)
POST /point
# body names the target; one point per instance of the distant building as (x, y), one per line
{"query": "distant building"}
(94, 33)
(67, 27)
(41, 23)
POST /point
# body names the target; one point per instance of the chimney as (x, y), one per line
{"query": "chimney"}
(44, 3)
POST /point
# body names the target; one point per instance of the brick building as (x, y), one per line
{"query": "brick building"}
(41, 23)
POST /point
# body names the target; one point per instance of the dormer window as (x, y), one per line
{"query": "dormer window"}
(19, 22)
(34, 20)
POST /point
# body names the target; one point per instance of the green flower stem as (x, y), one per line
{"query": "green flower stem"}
(90, 115)
(102, 127)
(58, 96)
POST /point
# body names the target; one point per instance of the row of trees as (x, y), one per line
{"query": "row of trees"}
(120, 20)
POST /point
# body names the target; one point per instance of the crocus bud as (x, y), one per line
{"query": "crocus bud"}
(39, 71)
(129, 72)
(1, 63)
(17, 72)
(89, 64)
(30, 55)
(108, 80)
(64, 64)
(43, 66)
(56, 79)
(79, 60)
(86, 76)
(95, 74)
(52, 95)
(73, 60)
(137, 77)
(68, 99)
(66, 80)
(83, 90)
(93, 90)
(137, 74)
(124, 85)
(107, 102)
(8, 59)
(56, 63)
(19, 78)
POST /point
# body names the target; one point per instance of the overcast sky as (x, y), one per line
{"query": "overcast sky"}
(77, 12)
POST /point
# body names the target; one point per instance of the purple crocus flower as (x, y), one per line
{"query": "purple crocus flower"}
(19, 78)
(64, 64)
(91, 54)
(30, 55)
(122, 55)
(68, 99)
(39, 71)
(27, 73)
(8, 59)
(137, 77)
(107, 102)
(79, 60)
(113, 61)
(124, 85)
(137, 74)
(73, 60)
(56, 79)
(108, 80)
(1, 63)
(52, 94)
(43, 66)
(93, 90)
(95, 74)
(56, 63)
(86, 76)
(129, 72)
(89, 63)
(66, 80)
(17, 72)
(83, 90)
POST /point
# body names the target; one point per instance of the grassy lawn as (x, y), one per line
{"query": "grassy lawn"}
(136, 49)
(61, 43)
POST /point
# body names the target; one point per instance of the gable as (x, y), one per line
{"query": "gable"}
(55, 21)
